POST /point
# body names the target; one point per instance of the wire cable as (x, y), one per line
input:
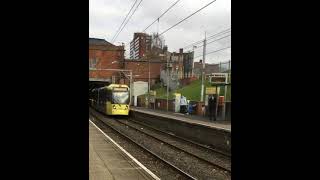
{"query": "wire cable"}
(187, 17)
(214, 51)
(128, 20)
(213, 41)
(124, 20)
(210, 37)
(161, 15)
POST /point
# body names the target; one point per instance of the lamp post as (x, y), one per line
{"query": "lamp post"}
(149, 83)
(203, 67)
(149, 74)
(130, 98)
(168, 84)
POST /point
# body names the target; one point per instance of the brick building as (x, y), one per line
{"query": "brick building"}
(181, 63)
(140, 69)
(104, 55)
(176, 64)
(187, 64)
(209, 68)
(140, 45)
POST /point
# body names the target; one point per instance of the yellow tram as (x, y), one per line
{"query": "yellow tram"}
(112, 100)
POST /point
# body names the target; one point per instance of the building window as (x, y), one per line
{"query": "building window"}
(93, 63)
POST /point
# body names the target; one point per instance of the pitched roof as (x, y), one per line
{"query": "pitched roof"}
(96, 41)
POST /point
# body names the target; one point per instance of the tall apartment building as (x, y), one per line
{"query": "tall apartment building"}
(140, 45)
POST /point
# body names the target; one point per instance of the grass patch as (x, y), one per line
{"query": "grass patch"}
(191, 92)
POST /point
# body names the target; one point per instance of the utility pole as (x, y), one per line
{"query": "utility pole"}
(226, 90)
(149, 75)
(203, 66)
(130, 99)
(225, 97)
(149, 83)
(229, 73)
(167, 83)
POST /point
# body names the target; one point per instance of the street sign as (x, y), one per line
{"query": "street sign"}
(211, 90)
(218, 78)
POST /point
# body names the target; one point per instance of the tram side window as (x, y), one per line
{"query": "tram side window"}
(98, 96)
(108, 93)
(101, 96)
(104, 96)
(95, 94)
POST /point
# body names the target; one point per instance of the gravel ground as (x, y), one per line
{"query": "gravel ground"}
(191, 165)
(155, 165)
(201, 152)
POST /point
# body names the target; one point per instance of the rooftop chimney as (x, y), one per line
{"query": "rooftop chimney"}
(165, 48)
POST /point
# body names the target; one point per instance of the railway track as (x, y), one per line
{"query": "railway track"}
(207, 148)
(189, 164)
(183, 173)
(202, 153)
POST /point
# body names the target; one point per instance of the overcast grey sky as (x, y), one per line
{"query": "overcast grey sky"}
(105, 17)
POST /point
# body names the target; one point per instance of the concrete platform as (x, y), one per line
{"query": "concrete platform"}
(193, 119)
(108, 161)
(215, 134)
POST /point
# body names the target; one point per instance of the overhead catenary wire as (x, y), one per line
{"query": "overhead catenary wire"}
(157, 19)
(210, 37)
(124, 20)
(214, 51)
(187, 17)
(128, 20)
(215, 40)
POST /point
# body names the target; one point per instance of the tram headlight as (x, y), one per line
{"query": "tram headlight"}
(114, 107)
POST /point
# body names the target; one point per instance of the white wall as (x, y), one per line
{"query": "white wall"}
(139, 88)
